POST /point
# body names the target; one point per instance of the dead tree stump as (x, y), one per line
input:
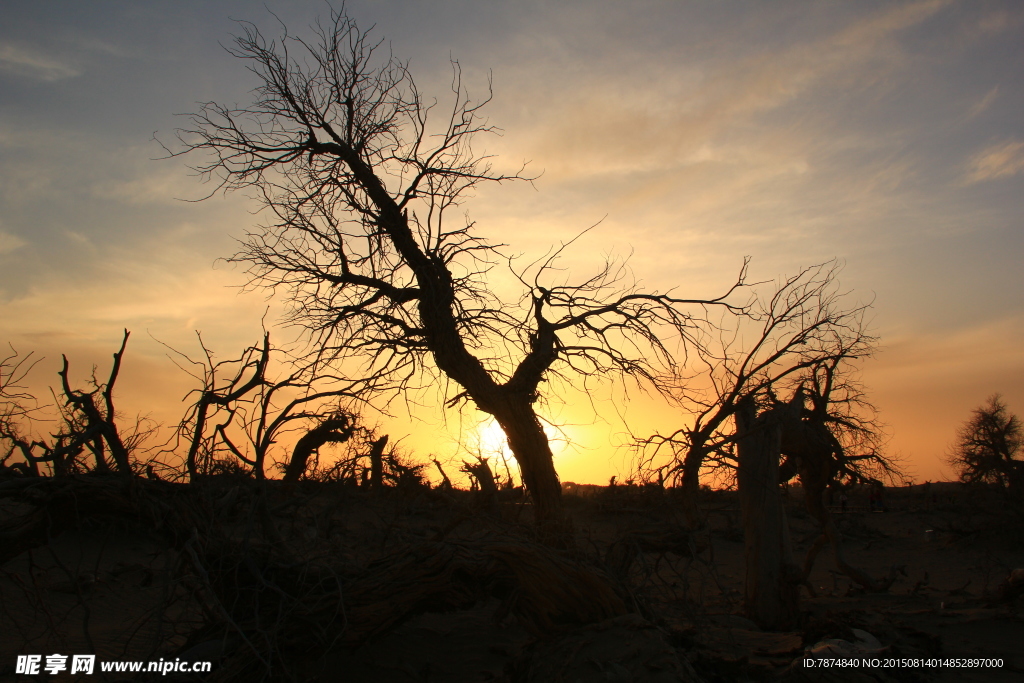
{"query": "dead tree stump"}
(771, 594)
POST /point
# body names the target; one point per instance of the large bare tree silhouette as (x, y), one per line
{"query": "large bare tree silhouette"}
(359, 174)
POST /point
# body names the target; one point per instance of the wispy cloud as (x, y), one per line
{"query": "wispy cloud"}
(9, 242)
(768, 81)
(637, 128)
(30, 63)
(996, 161)
(162, 186)
(984, 103)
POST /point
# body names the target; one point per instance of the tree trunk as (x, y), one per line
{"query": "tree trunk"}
(691, 485)
(335, 429)
(377, 463)
(446, 483)
(772, 579)
(481, 472)
(530, 446)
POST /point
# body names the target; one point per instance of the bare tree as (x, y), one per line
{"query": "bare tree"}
(88, 424)
(834, 439)
(837, 425)
(16, 406)
(807, 342)
(16, 401)
(359, 177)
(988, 447)
(100, 419)
(241, 413)
(804, 324)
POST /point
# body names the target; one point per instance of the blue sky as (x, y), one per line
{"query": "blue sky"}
(889, 135)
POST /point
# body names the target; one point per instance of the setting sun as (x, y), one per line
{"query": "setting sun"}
(487, 439)
(490, 440)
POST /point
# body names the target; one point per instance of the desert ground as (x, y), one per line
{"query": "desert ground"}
(320, 581)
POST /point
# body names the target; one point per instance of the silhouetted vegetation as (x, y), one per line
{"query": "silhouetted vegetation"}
(988, 447)
(88, 438)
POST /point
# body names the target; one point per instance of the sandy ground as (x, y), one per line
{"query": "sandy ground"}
(122, 591)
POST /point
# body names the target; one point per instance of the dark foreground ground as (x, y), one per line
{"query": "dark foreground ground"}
(323, 582)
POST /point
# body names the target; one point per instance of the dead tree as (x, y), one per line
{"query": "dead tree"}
(772, 580)
(61, 451)
(826, 442)
(99, 422)
(377, 447)
(446, 483)
(16, 406)
(241, 413)
(358, 177)
(482, 479)
(16, 402)
(199, 460)
(809, 444)
(804, 322)
(337, 428)
(88, 425)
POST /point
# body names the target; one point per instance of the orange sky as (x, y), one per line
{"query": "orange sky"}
(887, 135)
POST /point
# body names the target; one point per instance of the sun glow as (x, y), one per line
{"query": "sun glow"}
(489, 440)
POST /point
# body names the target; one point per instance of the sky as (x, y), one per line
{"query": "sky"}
(888, 135)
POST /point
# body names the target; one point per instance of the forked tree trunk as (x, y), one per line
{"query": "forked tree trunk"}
(771, 596)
